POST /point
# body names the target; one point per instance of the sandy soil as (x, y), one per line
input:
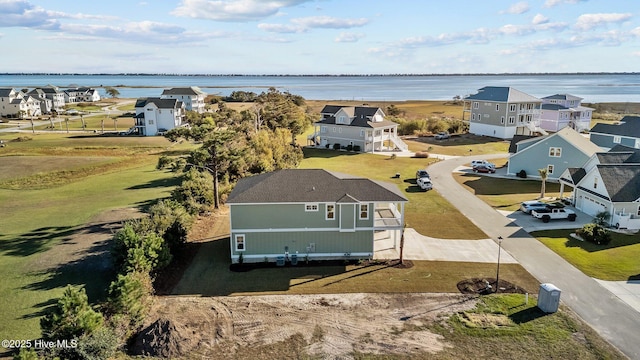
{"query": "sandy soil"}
(332, 325)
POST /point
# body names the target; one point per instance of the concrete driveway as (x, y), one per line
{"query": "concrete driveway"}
(615, 320)
(528, 223)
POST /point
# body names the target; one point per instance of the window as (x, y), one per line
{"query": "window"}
(502, 120)
(334, 129)
(331, 212)
(616, 139)
(150, 121)
(512, 107)
(311, 207)
(323, 129)
(638, 212)
(473, 117)
(595, 183)
(364, 211)
(555, 151)
(549, 169)
(476, 105)
(240, 245)
(512, 119)
(497, 107)
(361, 133)
(342, 120)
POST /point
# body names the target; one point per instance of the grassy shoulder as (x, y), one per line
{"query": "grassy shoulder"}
(427, 212)
(616, 261)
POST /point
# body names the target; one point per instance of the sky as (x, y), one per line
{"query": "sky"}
(319, 36)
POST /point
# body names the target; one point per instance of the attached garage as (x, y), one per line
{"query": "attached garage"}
(589, 205)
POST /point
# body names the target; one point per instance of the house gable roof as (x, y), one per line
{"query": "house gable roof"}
(309, 186)
(576, 174)
(580, 142)
(360, 116)
(502, 94)
(513, 145)
(158, 102)
(629, 126)
(622, 181)
(561, 97)
(193, 90)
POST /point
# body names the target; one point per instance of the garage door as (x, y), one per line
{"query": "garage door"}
(592, 206)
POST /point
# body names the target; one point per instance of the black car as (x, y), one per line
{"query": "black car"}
(422, 174)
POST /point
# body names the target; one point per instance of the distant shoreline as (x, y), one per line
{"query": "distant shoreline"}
(323, 75)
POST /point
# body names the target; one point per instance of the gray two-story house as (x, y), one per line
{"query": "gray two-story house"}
(502, 112)
(312, 214)
(626, 132)
(358, 127)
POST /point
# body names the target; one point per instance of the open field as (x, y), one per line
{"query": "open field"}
(38, 233)
(616, 261)
(458, 145)
(427, 212)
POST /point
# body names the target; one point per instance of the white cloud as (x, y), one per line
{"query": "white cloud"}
(232, 10)
(552, 3)
(329, 22)
(539, 19)
(590, 21)
(517, 8)
(349, 37)
(281, 28)
(635, 53)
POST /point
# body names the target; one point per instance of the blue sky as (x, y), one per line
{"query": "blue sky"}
(319, 37)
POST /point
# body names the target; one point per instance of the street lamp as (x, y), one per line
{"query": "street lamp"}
(498, 271)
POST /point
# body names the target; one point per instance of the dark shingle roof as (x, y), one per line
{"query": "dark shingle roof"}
(513, 145)
(311, 185)
(160, 103)
(553, 107)
(613, 157)
(183, 91)
(361, 116)
(502, 94)
(576, 174)
(629, 126)
(621, 181)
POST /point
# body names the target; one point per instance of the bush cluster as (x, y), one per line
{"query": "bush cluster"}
(595, 233)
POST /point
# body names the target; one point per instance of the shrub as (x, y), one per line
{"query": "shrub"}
(356, 148)
(326, 146)
(595, 233)
(349, 147)
(522, 174)
(601, 218)
(130, 296)
(72, 316)
(143, 251)
(336, 146)
(195, 192)
(422, 155)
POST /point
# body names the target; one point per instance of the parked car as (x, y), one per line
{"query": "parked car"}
(474, 163)
(484, 169)
(554, 213)
(422, 174)
(527, 206)
(442, 135)
(425, 183)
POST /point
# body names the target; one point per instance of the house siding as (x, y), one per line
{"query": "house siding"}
(343, 135)
(537, 157)
(605, 141)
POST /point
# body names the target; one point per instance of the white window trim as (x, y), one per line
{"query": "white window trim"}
(360, 212)
(617, 139)
(555, 151)
(326, 211)
(244, 242)
(476, 105)
(311, 207)
(550, 168)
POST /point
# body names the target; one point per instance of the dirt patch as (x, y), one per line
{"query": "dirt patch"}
(332, 326)
(487, 286)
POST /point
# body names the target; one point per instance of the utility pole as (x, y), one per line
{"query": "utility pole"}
(498, 271)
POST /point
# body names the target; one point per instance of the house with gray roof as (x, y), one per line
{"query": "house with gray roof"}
(502, 112)
(361, 128)
(561, 110)
(608, 182)
(313, 214)
(192, 97)
(625, 132)
(16, 104)
(155, 115)
(54, 94)
(556, 152)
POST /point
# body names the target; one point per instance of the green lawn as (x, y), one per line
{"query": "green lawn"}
(427, 212)
(36, 220)
(616, 261)
(462, 145)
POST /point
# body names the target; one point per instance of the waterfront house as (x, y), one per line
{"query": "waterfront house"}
(625, 132)
(360, 128)
(155, 115)
(556, 152)
(502, 112)
(192, 97)
(561, 110)
(16, 104)
(54, 94)
(82, 94)
(46, 105)
(313, 214)
(607, 182)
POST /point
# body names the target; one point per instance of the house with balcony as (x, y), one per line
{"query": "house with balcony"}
(360, 128)
(502, 112)
(192, 97)
(46, 105)
(561, 110)
(292, 215)
(556, 152)
(156, 115)
(607, 182)
(625, 132)
(54, 94)
(16, 104)
(83, 94)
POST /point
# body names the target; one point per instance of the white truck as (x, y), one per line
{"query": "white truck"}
(551, 213)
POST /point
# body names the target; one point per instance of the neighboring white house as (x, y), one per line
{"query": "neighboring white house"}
(46, 105)
(14, 103)
(192, 97)
(562, 110)
(608, 182)
(358, 127)
(502, 112)
(155, 115)
(54, 94)
(83, 94)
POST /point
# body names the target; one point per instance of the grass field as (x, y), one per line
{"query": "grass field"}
(427, 212)
(616, 261)
(35, 220)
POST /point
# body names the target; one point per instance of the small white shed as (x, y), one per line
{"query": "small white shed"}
(549, 298)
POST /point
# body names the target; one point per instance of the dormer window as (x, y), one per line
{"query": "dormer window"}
(342, 120)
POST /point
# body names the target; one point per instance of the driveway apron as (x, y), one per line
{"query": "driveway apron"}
(613, 319)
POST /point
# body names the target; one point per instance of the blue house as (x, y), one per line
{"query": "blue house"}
(626, 132)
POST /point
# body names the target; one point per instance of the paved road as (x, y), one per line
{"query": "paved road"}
(613, 319)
